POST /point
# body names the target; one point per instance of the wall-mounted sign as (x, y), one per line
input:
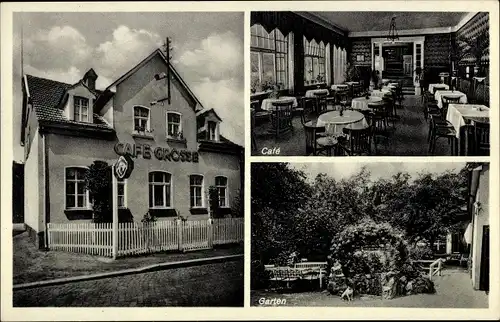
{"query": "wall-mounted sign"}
(124, 167)
(146, 151)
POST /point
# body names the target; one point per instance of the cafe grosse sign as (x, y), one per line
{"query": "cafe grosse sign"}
(147, 152)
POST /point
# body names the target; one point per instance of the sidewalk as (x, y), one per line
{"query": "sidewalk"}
(32, 265)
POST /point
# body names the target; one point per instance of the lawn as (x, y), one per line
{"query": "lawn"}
(31, 264)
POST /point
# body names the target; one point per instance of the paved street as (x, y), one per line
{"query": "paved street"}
(219, 284)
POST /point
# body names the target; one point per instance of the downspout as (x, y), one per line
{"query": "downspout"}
(46, 201)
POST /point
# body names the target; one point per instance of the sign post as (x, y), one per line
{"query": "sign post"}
(121, 171)
(115, 213)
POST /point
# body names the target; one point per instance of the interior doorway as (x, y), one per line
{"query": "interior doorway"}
(398, 59)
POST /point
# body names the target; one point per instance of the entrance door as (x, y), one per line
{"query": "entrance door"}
(407, 65)
(484, 275)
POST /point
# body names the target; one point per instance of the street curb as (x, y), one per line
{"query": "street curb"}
(145, 269)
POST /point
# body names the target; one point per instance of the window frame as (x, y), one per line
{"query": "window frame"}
(79, 114)
(167, 113)
(148, 124)
(202, 192)
(314, 50)
(216, 128)
(87, 205)
(279, 51)
(125, 196)
(171, 188)
(226, 192)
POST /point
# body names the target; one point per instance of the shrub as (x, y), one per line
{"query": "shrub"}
(420, 252)
(259, 278)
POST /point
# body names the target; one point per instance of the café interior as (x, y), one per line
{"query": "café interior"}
(370, 83)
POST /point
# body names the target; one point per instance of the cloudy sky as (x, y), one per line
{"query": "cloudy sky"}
(208, 53)
(341, 170)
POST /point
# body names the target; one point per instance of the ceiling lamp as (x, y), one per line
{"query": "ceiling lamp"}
(393, 33)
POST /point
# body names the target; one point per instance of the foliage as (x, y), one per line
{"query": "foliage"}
(420, 252)
(348, 248)
(148, 218)
(213, 197)
(352, 73)
(277, 190)
(98, 183)
(237, 206)
(332, 206)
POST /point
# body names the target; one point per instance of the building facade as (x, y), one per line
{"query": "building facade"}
(176, 144)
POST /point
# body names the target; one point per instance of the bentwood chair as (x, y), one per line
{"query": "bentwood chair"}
(320, 102)
(252, 130)
(358, 141)
(281, 118)
(446, 101)
(449, 133)
(478, 139)
(312, 133)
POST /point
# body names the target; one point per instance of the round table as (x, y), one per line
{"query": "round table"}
(380, 93)
(334, 123)
(361, 103)
(312, 92)
(267, 104)
(340, 87)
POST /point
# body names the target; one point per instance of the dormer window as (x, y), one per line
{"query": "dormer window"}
(81, 109)
(212, 130)
(141, 119)
(174, 125)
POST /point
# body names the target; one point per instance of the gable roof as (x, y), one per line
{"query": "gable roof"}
(46, 95)
(206, 111)
(174, 71)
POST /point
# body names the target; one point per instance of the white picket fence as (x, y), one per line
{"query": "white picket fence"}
(140, 238)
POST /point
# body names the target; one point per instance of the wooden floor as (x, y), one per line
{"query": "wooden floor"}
(408, 139)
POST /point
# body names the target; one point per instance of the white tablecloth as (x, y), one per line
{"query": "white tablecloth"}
(361, 103)
(393, 84)
(340, 87)
(439, 95)
(457, 112)
(352, 83)
(312, 92)
(431, 87)
(380, 93)
(334, 123)
(268, 106)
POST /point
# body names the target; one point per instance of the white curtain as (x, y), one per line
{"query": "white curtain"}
(335, 66)
(327, 65)
(290, 62)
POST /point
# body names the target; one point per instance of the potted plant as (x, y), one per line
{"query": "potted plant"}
(352, 73)
(474, 48)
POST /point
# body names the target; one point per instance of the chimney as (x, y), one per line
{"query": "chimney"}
(89, 78)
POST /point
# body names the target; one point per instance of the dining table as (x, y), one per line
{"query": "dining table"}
(267, 103)
(335, 121)
(460, 115)
(432, 86)
(361, 103)
(339, 87)
(439, 97)
(301, 273)
(352, 83)
(313, 92)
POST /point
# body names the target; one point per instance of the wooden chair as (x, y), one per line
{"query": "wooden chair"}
(343, 99)
(320, 102)
(448, 133)
(312, 132)
(259, 113)
(358, 142)
(252, 130)
(438, 88)
(478, 139)
(446, 101)
(281, 118)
